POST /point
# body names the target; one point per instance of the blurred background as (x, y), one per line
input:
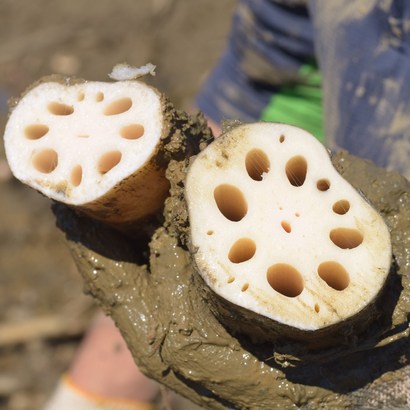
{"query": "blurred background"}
(43, 312)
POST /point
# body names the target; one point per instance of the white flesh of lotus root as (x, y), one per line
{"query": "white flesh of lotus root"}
(81, 144)
(276, 230)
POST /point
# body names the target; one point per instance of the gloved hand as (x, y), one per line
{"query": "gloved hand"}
(148, 288)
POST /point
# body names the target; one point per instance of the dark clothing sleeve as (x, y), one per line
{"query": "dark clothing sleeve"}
(267, 45)
(363, 52)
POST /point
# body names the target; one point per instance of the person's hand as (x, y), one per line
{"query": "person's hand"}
(103, 366)
(149, 289)
(215, 127)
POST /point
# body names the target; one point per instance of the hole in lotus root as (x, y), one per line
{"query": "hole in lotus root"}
(245, 287)
(45, 161)
(36, 131)
(282, 139)
(132, 131)
(341, 207)
(108, 161)
(80, 96)
(76, 175)
(323, 184)
(296, 169)
(286, 226)
(334, 274)
(57, 108)
(257, 163)
(317, 308)
(231, 202)
(118, 106)
(285, 279)
(346, 238)
(99, 96)
(242, 250)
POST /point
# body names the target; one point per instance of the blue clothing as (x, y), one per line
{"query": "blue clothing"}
(363, 52)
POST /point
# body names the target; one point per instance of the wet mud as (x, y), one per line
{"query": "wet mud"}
(38, 276)
(150, 288)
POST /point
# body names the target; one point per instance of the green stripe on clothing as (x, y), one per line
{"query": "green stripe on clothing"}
(299, 104)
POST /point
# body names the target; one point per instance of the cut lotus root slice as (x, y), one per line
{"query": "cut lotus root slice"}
(91, 145)
(280, 235)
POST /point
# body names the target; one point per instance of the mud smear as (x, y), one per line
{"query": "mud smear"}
(151, 292)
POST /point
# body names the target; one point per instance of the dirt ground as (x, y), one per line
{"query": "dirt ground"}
(43, 312)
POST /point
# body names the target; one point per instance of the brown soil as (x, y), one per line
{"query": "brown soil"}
(176, 339)
(38, 277)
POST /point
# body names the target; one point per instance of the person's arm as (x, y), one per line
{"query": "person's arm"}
(364, 54)
(267, 71)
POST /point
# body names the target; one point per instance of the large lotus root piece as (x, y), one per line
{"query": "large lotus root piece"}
(92, 145)
(277, 231)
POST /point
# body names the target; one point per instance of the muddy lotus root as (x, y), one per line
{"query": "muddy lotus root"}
(276, 231)
(91, 145)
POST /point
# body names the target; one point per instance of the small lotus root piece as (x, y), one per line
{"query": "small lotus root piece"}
(276, 230)
(91, 145)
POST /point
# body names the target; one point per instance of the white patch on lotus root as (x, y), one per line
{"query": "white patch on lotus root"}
(123, 72)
